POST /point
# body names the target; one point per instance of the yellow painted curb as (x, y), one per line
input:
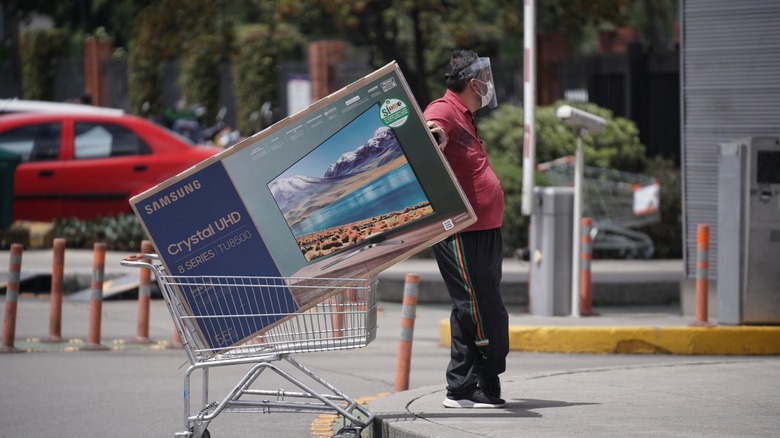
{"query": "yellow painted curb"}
(731, 340)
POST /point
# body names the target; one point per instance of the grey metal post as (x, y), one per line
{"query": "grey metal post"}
(579, 170)
(551, 243)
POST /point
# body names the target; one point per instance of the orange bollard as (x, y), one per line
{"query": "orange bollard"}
(57, 273)
(144, 297)
(11, 298)
(586, 257)
(530, 258)
(338, 309)
(96, 300)
(177, 338)
(702, 270)
(408, 315)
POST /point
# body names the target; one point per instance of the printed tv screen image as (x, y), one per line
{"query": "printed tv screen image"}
(352, 190)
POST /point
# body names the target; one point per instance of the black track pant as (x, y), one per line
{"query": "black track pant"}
(471, 266)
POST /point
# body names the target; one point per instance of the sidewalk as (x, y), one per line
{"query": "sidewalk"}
(736, 393)
(726, 399)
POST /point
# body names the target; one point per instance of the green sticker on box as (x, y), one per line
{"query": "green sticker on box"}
(394, 113)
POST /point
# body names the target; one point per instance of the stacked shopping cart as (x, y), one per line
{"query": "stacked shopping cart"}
(616, 201)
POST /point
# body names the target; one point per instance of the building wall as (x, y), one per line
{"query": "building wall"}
(730, 85)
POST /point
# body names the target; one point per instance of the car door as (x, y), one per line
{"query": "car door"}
(109, 161)
(39, 180)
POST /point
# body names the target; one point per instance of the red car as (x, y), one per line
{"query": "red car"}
(89, 165)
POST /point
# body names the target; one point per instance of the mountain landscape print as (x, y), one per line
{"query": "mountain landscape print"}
(354, 187)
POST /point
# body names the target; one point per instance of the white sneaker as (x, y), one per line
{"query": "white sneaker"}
(476, 400)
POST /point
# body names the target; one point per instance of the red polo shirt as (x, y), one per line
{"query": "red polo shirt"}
(468, 160)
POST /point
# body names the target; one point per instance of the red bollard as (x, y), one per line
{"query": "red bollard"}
(57, 274)
(586, 257)
(11, 298)
(408, 315)
(144, 297)
(702, 270)
(96, 300)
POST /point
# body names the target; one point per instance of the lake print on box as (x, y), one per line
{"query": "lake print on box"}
(350, 191)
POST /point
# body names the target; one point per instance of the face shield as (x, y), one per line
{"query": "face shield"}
(482, 74)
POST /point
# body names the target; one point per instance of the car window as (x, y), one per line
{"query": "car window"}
(39, 142)
(102, 140)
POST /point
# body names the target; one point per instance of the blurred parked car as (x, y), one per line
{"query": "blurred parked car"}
(8, 106)
(88, 164)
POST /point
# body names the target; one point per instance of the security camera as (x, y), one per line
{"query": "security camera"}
(580, 119)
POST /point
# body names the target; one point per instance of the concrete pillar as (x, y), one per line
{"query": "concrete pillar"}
(322, 55)
(95, 52)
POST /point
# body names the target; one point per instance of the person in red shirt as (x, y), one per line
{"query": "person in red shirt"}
(470, 261)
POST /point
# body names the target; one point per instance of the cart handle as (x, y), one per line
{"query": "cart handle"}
(137, 260)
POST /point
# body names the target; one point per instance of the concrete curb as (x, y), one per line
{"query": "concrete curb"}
(715, 341)
(39, 345)
(393, 419)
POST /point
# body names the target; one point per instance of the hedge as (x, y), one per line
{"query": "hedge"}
(38, 52)
(616, 147)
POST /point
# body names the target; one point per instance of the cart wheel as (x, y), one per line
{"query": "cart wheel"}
(348, 432)
(205, 434)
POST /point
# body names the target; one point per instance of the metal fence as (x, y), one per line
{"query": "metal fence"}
(642, 87)
(115, 81)
(69, 78)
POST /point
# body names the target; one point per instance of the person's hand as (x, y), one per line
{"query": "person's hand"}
(438, 134)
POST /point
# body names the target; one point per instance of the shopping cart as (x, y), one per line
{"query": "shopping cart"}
(616, 201)
(344, 319)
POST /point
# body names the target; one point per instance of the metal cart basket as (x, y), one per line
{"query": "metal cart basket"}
(344, 319)
(616, 201)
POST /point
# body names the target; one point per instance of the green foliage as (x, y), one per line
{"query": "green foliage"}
(200, 72)
(616, 147)
(118, 16)
(119, 233)
(572, 15)
(515, 229)
(144, 82)
(161, 31)
(655, 21)
(145, 65)
(259, 50)
(39, 52)
(418, 35)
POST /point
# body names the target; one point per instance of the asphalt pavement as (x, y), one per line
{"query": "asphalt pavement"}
(658, 386)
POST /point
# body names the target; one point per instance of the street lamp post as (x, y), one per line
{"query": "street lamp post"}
(579, 167)
(582, 122)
